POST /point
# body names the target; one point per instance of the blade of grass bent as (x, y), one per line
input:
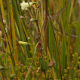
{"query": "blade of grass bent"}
(59, 12)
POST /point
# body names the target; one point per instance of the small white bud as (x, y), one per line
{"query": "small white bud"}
(24, 43)
(4, 21)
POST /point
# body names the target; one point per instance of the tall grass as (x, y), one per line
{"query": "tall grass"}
(48, 29)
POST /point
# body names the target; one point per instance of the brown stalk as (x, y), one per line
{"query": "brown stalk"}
(52, 13)
(38, 45)
(45, 27)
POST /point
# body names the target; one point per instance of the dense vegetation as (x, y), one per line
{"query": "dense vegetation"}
(39, 40)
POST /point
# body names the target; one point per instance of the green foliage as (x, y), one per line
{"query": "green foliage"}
(36, 32)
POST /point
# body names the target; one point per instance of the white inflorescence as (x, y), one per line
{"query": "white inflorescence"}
(24, 5)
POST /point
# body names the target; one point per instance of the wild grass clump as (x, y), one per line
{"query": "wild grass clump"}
(39, 40)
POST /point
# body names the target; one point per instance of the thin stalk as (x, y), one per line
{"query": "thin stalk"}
(45, 27)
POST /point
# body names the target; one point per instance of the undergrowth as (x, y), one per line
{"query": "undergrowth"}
(39, 40)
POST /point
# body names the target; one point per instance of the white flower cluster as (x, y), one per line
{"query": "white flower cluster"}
(25, 5)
